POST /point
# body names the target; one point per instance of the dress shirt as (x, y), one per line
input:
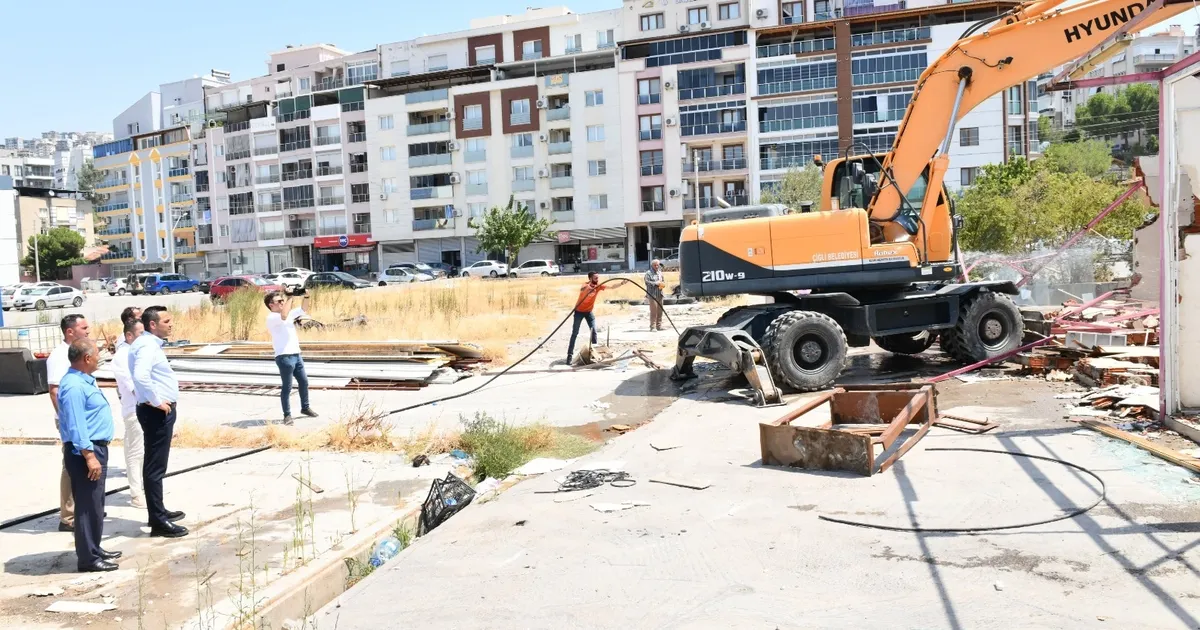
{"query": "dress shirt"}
(652, 279)
(153, 379)
(120, 369)
(57, 363)
(283, 331)
(84, 413)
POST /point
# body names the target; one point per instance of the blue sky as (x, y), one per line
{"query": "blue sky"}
(75, 64)
(91, 60)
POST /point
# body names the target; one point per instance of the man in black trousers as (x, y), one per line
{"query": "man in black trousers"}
(86, 426)
(157, 392)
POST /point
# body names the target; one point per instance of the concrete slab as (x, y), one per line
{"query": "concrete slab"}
(750, 551)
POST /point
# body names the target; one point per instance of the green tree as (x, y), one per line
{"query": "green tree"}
(57, 250)
(1130, 110)
(86, 181)
(509, 229)
(1091, 157)
(798, 185)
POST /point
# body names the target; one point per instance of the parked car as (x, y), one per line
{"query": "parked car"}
(420, 268)
(167, 283)
(535, 268)
(220, 289)
(291, 281)
(135, 282)
(671, 264)
(115, 286)
(448, 270)
(301, 271)
(7, 295)
(204, 285)
(42, 298)
(486, 268)
(334, 279)
(400, 275)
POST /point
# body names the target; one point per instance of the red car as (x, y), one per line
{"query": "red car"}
(222, 287)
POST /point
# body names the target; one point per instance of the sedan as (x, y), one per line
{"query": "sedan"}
(486, 268)
(291, 281)
(400, 275)
(7, 295)
(531, 268)
(420, 268)
(42, 298)
(221, 288)
(115, 286)
(334, 280)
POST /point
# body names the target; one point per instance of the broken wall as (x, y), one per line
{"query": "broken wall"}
(1187, 289)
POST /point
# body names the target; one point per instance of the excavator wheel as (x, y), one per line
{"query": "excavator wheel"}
(907, 343)
(805, 349)
(989, 324)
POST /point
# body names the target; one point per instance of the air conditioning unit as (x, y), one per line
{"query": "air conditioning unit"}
(704, 26)
(453, 145)
(543, 173)
(683, 28)
(455, 178)
(543, 204)
(449, 114)
(383, 196)
(761, 14)
(674, 192)
(543, 137)
(668, 85)
(670, 121)
(542, 103)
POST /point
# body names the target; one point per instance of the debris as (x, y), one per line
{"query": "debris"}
(1179, 459)
(641, 354)
(87, 608)
(589, 479)
(620, 428)
(446, 497)
(979, 378)
(999, 586)
(458, 453)
(692, 485)
(86, 579)
(596, 405)
(520, 523)
(308, 483)
(540, 465)
(964, 425)
(487, 486)
(45, 591)
(420, 460)
(617, 507)
(1058, 376)
(665, 446)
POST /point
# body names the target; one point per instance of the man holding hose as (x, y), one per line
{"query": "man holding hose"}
(583, 309)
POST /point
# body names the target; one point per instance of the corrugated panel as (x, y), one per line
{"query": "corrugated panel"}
(536, 251)
(470, 256)
(429, 250)
(599, 234)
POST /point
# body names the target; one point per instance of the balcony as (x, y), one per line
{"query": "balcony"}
(295, 146)
(183, 197)
(564, 181)
(324, 141)
(427, 96)
(331, 200)
(204, 240)
(473, 157)
(793, 19)
(358, 167)
(301, 232)
(180, 171)
(421, 129)
(705, 202)
(521, 152)
(184, 250)
(712, 91)
(112, 207)
(563, 216)
(485, 61)
(790, 161)
(652, 206)
(887, 76)
(606, 44)
(326, 171)
(243, 182)
(712, 166)
(1164, 59)
(649, 99)
(358, 137)
(739, 199)
(523, 185)
(518, 118)
(273, 178)
(477, 189)
(798, 85)
(184, 223)
(362, 227)
(270, 206)
(431, 192)
(650, 134)
(292, 116)
(652, 169)
(330, 83)
(852, 11)
(558, 148)
(117, 255)
(356, 106)
(360, 198)
(266, 151)
(201, 188)
(715, 128)
(797, 48)
(236, 127)
(289, 176)
(332, 229)
(236, 209)
(896, 36)
(890, 115)
(236, 155)
(560, 113)
(116, 230)
(431, 159)
(423, 225)
(113, 182)
(270, 235)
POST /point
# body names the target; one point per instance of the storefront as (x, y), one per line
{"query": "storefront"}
(597, 249)
(353, 253)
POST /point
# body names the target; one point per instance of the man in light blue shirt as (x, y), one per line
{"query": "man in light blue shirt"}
(86, 427)
(157, 391)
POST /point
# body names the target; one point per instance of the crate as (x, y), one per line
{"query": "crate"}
(446, 497)
(40, 339)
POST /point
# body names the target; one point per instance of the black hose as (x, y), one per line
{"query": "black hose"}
(529, 354)
(31, 517)
(988, 528)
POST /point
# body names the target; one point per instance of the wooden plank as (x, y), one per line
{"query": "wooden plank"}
(1175, 457)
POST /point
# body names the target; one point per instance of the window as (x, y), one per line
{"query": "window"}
(476, 145)
(477, 177)
(793, 13)
(305, 84)
(386, 122)
(522, 140)
(485, 55)
(653, 22)
(522, 173)
(696, 16)
(387, 154)
(388, 184)
(473, 117)
(279, 67)
(519, 106)
(531, 49)
(651, 162)
(731, 11)
(597, 167)
(477, 209)
(968, 137)
(438, 62)
(574, 43)
(606, 39)
(649, 91)
(398, 69)
(966, 176)
(595, 133)
(592, 98)
(650, 127)
(1016, 144)
(597, 202)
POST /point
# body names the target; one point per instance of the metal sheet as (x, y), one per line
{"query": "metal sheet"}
(340, 369)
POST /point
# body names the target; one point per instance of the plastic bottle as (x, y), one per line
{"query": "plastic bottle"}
(385, 550)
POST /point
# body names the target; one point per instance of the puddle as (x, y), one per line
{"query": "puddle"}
(635, 402)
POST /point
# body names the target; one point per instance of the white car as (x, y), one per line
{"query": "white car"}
(486, 268)
(300, 271)
(535, 268)
(7, 295)
(291, 281)
(400, 275)
(42, 298)
(116, 286)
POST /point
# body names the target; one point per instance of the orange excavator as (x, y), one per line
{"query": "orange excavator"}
(877, 259)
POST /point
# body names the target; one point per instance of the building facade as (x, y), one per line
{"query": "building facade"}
(39, 210)
(27, 170)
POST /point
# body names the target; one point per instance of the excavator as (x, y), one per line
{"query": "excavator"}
(878, 259)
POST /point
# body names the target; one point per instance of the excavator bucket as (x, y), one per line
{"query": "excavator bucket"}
(734, 348)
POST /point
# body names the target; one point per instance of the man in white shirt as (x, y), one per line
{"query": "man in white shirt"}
(135, 445)
(287, 352)
(130, 314)
(73, 327)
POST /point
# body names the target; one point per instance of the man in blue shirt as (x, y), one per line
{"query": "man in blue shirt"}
(86, 426)
(157, 392)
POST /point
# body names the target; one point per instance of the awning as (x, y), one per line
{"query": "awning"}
(346, 250)
(599, 234)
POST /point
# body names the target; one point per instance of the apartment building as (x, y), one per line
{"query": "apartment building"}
(287, 150)
(27, 170)
(517, 107)
(40, 209)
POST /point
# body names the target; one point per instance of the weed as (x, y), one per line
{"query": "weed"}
(404, 533)
(352, 499)
(202, 575)
(303, 518)
(499, 448)
(356, 570)
(245, 595)
(244, 308)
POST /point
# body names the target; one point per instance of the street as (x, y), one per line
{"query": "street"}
(101, 307)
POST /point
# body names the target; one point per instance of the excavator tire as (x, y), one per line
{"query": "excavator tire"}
(906, 343)
(804, 349)
(989, 324)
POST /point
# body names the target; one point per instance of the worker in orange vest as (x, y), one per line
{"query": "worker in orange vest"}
(583, 309)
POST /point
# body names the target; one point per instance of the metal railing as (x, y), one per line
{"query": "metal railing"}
(649, 99)
(290, 116)
(324, 171)
(201, 188)
(185, 222)
(178, 171)
(113, 181)
(793, 19)
(477, 189)
(181, 197)
(427, 96)
(652, 169)
(523, 185)
(471, 157)
(796, 48)
(328, 140)
(204, 240)
(273, 178)
(890, 115)
(421, 225)
(362, 228)
(292, 204)
(650, 134)
(521, 152)
(711, 91)
(563, 216)
(270, 235)
(270, 206)
(239, 208)
(431, 192)
(266, 150)
(116, 230)
(236, 155)
(472, 124)
(890, 37)
(429, 159)
(116, 255)
(603, 45)
(788, 161)
(421, 129)
(331, 200)
(559, 113)
(707, 166)
(185, 249)
(1153, 59)
(571, 50)
(485, 61)
(652, 206)
(358, 137)
(360, 198)
(869, 9)
(302, 232)
(238, 183)
(237, 126)
(558, 148)
(886, 76)
(330, 83)
(518, 119)
(289, 176)
(563, 181)
(109, 207)
(705, 202)
(358, 167)
(798, 85)
(714, 128)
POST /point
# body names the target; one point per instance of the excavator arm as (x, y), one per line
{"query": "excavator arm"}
(1031, 39)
